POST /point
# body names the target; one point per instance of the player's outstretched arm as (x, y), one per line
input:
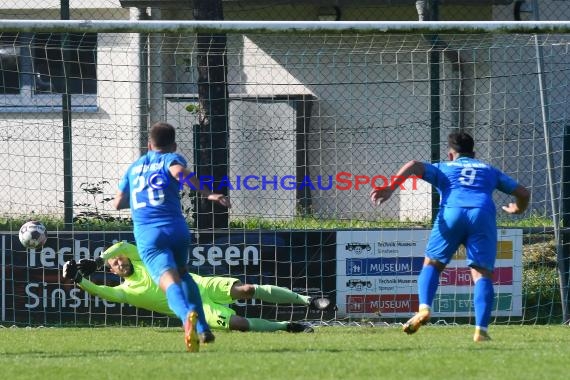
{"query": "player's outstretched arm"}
(109, 293)
(412, 168)
(179, 171)
(71, 273)
(522, 198)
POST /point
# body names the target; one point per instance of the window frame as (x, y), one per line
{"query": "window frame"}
(29, 99)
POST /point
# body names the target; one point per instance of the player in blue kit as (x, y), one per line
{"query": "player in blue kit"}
(467, 216)
(151, 189)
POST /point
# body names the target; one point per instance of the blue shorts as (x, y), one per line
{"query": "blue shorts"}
(163, 248)
(475, 228)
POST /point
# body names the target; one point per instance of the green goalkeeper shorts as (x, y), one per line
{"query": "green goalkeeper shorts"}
(215, 293)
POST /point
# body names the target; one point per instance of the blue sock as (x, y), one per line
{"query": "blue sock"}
(177, 301)
(428, 281)
(483, 299)
(195, 301)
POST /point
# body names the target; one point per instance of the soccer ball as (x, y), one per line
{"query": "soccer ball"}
(33, 234)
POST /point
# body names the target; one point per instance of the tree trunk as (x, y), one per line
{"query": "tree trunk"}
(213, 153)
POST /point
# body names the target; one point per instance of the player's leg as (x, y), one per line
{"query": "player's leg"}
(428, 282)
(196, 329)
(161, 267)
(276, 294)
(483, 295)
(218, 291)
(162, 262)
(225, 290)
(192, 293)
(170, 283)
(269, 293)
(445, 238)
(265, 325)
(178, 239)
(221, 317)
(256, 324)
(481, 255)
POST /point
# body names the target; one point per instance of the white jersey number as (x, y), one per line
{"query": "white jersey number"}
(155, 196)
(467, 176)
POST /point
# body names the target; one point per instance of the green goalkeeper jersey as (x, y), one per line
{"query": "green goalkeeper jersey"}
(137, 290)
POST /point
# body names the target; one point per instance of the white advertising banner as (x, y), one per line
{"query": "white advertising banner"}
(377, 274)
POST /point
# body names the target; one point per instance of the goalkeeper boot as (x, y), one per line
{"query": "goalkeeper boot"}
(190, 334)
(296, 327)
(419, 319)
(319, 303)
(207, 337)
(481, 336)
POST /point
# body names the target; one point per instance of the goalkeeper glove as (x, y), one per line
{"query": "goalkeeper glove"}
(71, 273)
(87, 267)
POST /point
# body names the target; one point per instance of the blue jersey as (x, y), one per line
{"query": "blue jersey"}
(467, 182)
(154, 195)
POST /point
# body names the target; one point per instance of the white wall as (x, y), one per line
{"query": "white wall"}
(104, 142)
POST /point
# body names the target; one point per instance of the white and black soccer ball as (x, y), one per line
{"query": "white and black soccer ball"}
(33, 234)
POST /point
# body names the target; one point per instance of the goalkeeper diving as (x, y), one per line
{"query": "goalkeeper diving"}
(217, 293)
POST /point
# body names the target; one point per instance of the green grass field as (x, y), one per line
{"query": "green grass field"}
(435, 352)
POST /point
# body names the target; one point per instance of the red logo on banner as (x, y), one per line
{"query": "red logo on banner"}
(384, 304)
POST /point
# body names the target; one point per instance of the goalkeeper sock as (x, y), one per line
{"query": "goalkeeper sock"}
(428, 281)
(194, 301)
(263, 325)
(177, 301)
(277, 294)
(483, 295)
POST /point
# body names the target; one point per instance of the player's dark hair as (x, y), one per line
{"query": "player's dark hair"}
(162, 135)
(461, 142)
